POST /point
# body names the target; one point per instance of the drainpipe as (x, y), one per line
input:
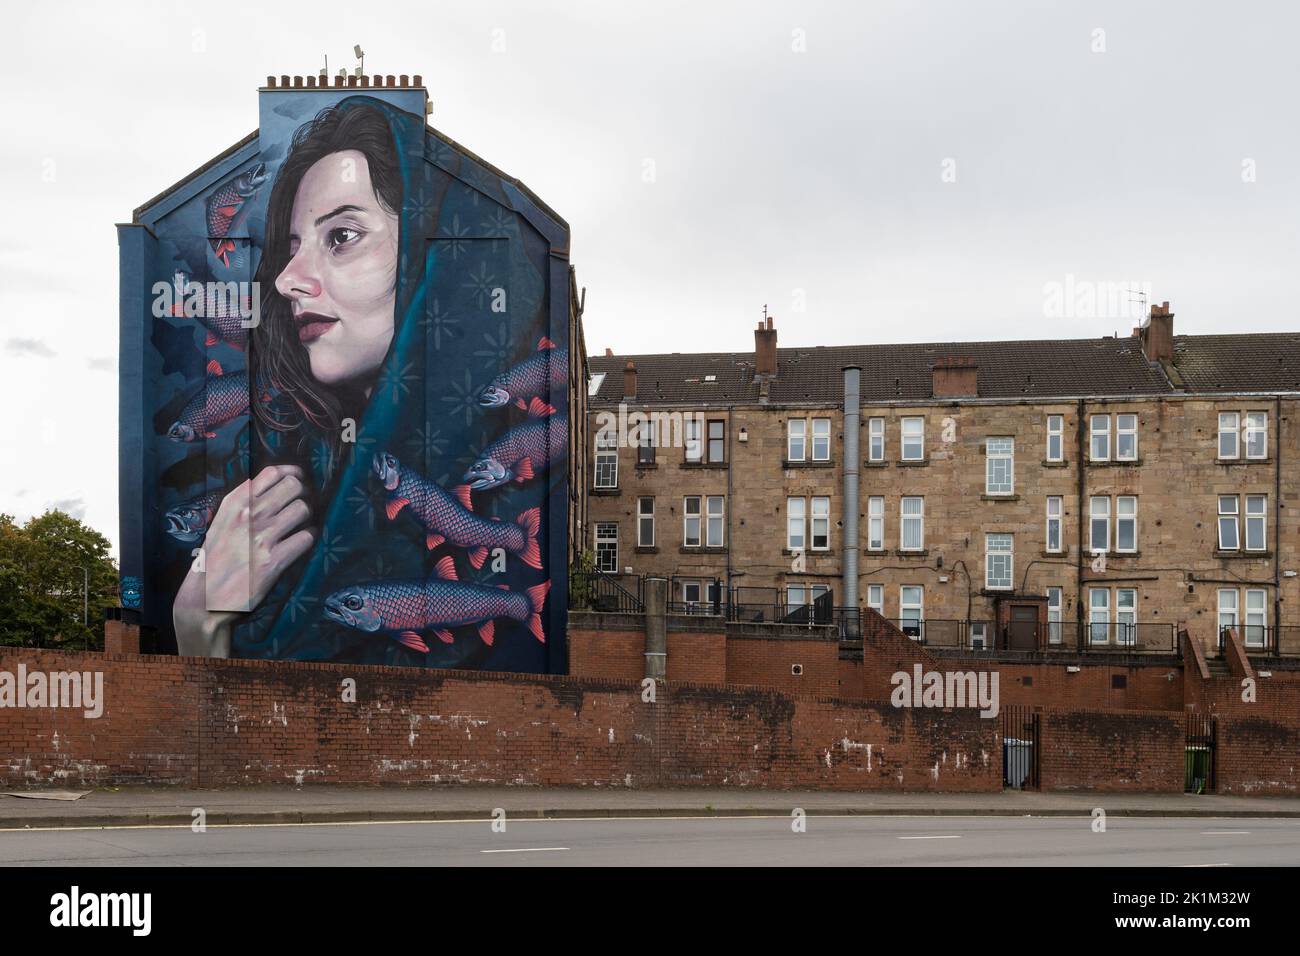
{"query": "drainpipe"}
(1081, 447)
(852, 432)
(656, 628)
(1277, 526)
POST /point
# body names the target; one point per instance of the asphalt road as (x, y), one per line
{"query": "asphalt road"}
(750, 841)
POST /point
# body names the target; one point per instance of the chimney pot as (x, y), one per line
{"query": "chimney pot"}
(419, 80)
(392, 80)
(270, 81)
(609, 352)
(284, 79)
(404, 80)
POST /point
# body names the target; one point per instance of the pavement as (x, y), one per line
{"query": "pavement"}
(322, 803)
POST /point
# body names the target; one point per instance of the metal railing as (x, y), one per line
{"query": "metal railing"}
(595, 590)
(1266, 640)
(1031, 637)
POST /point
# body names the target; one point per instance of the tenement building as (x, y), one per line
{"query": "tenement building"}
(1035, 495)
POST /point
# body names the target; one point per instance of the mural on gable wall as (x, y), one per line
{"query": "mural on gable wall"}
(356, 383)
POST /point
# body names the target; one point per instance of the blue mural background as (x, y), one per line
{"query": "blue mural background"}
(469, 236)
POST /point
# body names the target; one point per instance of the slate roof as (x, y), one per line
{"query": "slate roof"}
(1044, 368)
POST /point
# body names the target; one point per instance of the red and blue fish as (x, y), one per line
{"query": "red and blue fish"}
(448, 516)
(522, 452)
(189, 520)
(223, 316)
(542, 374)
(223, 398)
(406, 610)
(228, 204)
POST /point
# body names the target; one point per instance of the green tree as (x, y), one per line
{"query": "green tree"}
(41, 582)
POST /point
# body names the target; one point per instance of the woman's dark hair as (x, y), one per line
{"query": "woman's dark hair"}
(276, 356)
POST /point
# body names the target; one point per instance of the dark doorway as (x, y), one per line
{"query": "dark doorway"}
(1023, 632)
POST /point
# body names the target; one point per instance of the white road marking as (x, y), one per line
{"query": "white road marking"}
(947, 836)
(528, 849)
(1203, 865)
(1224, 832)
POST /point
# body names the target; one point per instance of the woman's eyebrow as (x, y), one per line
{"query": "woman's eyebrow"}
(344, 208)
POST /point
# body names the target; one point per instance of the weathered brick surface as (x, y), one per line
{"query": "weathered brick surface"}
(201, 722)
(1127, 751)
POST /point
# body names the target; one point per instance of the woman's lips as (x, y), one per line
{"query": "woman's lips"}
(312, 326)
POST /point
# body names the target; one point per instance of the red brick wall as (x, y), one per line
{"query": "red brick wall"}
(1128, 751)
(697, 656)
(606, 645)
(200, 722)
(1148, 686)
(760, 662)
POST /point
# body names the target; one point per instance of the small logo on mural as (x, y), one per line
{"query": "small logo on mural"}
(82, 690)
(946, 689)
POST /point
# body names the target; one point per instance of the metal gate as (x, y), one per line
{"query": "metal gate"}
(1021, 735)
(1202, 733)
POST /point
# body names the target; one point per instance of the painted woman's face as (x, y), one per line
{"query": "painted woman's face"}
(341, 275)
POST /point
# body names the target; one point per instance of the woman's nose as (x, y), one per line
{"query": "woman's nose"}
(299, 279)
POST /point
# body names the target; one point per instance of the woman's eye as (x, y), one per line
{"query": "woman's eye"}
(342, 236)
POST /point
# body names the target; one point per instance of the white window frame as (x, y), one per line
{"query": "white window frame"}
(918, 438)
(715, 516)
(918, 517)
(1250, 429)
(819, 516)
(1055, 597)
(1121, 432)
(875, 434)
(1230, 517)
(1093, 608)
(691, 519)
(1229, 610)
(606, 533)
(1230, 425)
(997, 546)
(796, 516)
(995, 454)
(1256, 518)
(1254, 631)
(821, 433)
(876, 598)
(1093, 518)
(800, 435)
(1055, 431)
(1098, 434)
(1055, 516)
(796, 596)
(606, 458)
(904, 606)
(694, 438)
(876, 523)
(1126, 617)
(642, 517)
(1126, 512)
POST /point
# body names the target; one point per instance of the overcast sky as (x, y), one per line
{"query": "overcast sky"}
(871, 171)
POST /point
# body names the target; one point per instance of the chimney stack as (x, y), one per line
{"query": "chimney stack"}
(955, 376)
(1158, 334)
(765, 349)
(609, 352)
(629, 381)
